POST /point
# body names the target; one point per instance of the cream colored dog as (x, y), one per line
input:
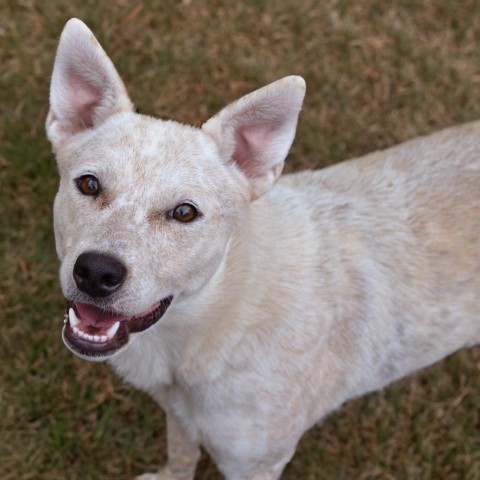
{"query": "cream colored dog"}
(250, 308)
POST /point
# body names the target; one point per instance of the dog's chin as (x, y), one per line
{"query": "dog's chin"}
(96, 334)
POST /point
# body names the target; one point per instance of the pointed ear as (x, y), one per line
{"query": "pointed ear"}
(85, 89)
(257, 130)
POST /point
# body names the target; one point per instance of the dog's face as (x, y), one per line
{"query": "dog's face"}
(141, 221)
(147, 209)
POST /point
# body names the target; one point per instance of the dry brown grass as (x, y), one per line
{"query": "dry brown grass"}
(377, 72)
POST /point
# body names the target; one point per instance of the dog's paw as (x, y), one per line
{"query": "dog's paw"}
(163, 474)
(155, 476)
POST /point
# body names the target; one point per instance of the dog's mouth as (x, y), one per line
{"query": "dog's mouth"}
(94, 333)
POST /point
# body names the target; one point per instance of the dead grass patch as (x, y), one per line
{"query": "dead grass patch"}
(377, 73)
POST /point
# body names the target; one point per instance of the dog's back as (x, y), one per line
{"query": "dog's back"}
(398, 251)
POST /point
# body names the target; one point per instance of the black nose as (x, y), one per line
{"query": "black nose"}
(98, 274)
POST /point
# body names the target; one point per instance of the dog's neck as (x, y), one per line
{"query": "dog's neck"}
(196, 334)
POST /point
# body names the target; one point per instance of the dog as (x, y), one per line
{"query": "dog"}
(248, 304)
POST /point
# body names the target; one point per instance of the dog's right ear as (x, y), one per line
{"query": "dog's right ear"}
(256, 131)
(85, 89)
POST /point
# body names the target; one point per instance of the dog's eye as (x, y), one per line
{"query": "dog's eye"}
(185, 212)
(88, 185)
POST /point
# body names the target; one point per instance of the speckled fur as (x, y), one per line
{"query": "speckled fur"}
(287, 300)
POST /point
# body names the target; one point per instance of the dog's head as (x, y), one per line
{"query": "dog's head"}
(147, 209)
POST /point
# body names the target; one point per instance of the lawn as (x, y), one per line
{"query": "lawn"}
(377, 72)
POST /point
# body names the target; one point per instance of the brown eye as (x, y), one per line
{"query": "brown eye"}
(184, 212)
(88, 185)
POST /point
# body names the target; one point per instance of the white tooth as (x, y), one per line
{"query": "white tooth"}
(75, 330)
(96, 338)
(74, 321)
(103, 338)
(81, 334)
(113, 330)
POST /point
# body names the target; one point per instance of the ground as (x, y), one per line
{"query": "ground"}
(377, 73)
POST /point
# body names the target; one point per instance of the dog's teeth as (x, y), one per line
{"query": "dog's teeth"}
(74, 321)
(113, 330)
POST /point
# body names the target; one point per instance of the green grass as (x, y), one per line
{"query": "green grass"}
(377, 72)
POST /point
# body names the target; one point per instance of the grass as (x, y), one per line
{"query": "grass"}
(377, 73)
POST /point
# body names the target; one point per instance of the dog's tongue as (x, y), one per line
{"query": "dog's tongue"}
(98, 317)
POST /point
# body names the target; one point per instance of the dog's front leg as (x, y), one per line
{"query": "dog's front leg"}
(251, 470)
(183, 454)
(269, 473)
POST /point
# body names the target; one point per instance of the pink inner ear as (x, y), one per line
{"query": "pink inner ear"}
(82, 99)
(251, 144)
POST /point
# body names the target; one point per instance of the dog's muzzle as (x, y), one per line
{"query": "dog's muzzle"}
(96, 334)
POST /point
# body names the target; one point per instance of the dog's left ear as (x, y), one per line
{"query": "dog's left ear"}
(85, 89)
(257, 130)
